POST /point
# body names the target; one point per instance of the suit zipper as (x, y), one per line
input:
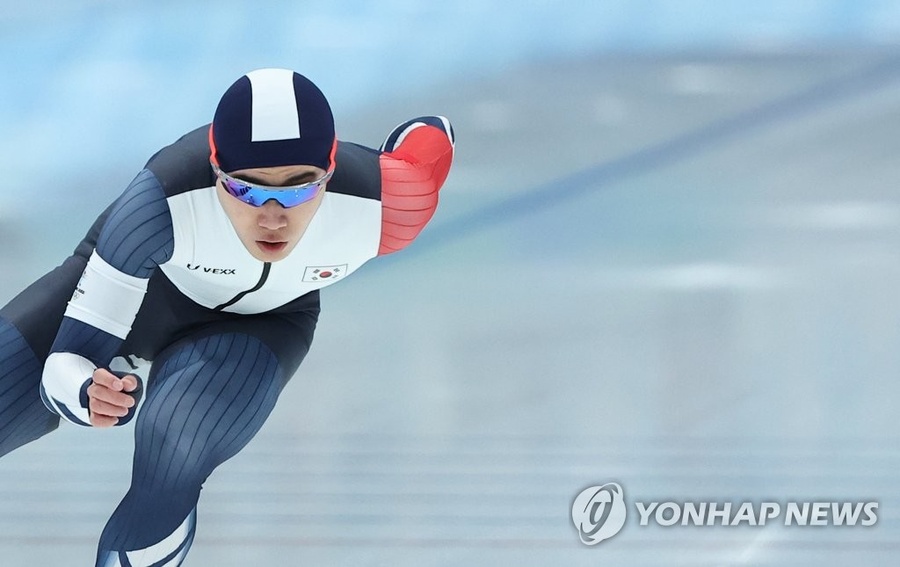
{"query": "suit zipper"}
(262, 281)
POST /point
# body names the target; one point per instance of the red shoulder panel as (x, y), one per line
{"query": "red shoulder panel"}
(411, 177)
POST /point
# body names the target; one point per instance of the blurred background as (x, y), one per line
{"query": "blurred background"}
(667, 255)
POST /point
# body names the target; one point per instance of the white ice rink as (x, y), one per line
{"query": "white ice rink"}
(675, 269)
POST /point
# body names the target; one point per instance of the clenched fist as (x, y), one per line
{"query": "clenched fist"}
(112, 397)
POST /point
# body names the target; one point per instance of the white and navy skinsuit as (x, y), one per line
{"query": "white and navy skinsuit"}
(163, 276)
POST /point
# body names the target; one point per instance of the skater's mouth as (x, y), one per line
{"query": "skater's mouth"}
(269, 246)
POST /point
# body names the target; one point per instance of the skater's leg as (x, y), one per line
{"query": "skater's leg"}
(206, 399)
(23, 417)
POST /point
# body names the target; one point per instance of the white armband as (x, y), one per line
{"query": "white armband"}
(106, 298)
(64, 378)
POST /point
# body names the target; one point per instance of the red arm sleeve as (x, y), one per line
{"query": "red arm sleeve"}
(411, 176)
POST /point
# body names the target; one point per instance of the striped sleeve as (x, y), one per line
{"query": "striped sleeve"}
(415, 162)
(138, 234)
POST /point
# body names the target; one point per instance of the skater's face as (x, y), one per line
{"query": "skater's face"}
(270, 232)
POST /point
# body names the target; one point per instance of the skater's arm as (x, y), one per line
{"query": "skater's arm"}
(415, 161)
(136, 237)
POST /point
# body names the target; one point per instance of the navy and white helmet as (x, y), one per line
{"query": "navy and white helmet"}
(269, 118)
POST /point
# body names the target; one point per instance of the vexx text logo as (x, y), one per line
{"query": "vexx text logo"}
(599, 513)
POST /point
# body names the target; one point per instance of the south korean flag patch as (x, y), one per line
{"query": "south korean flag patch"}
(324, 273)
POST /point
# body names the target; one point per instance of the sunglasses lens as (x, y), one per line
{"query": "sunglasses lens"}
(257, 195)
(236, 188)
